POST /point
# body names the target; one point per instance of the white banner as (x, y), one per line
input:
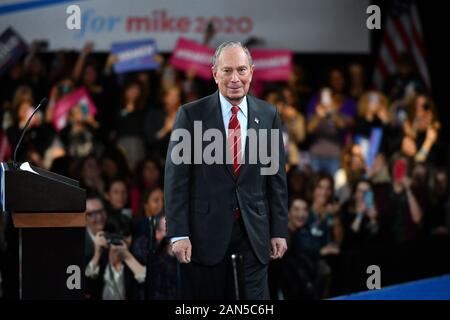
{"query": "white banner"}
(299, 25)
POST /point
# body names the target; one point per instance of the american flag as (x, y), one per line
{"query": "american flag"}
(402, 34)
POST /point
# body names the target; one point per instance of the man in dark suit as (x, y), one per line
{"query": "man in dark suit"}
(216, 210)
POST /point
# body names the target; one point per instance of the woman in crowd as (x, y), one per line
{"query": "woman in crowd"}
(359, 217)
(373, 113)
(344, 103)
(116, 196)
(300, 88)
(439, 214)
(358, 80)
(148, 177)
(61, 89)
(326, 127)
(353, 169)
(114, 164)
(405, 213)
(322, 235)
(159, 122)
(22, 93)
(40, 134)
(422, 127)
(91, 175)
(129, 124)
(324, 220)
(85, 74)
(293, 129)
(79, 134)
(297, 181)
(152, 206)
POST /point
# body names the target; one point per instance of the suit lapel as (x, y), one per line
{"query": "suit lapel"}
(215, 120)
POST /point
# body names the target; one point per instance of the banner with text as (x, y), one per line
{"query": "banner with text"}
(297, 25)
(190, 55)
(271, 65)
(134, 56)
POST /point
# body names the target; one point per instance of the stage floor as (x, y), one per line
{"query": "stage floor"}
(436, 288)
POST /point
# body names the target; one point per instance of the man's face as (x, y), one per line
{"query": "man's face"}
(95, 215)
(233, 74)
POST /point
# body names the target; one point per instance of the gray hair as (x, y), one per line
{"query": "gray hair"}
(230, 44)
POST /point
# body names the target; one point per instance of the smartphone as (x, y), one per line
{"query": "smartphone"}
(325, 97)
(400, 167)
(410, 90)
(368, 199)
(374, 97)
(402, 116)
(374, 100)
(84, 108)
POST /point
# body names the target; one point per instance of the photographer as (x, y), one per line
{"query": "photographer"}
(113, 273)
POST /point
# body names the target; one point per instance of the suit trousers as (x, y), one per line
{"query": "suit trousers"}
(217, 282)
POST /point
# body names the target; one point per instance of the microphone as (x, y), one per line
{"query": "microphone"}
(43, 102)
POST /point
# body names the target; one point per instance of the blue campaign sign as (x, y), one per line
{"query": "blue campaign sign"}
(370, 145)
(11, 48)
(376, 136)
(134, 56)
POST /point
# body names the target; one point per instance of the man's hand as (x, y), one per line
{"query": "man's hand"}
(121, 250)
(87, 49)
(330, 248)
(100, 241)
(182, 250)
(321, 111)
(406, 182)
(279, 247)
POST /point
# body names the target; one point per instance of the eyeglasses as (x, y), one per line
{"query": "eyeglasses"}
(95, 212)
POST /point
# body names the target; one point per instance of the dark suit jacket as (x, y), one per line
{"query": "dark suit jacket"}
(199, 198)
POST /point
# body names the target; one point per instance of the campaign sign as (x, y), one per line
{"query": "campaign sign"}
(78, 98)
(376, 136)
(271, 65)
(11, 48)
(370, 146)
(190, 55)
(134, 56)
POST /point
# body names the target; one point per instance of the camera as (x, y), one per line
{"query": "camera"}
(113, 238)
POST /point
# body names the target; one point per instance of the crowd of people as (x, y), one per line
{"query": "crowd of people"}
(346, 196)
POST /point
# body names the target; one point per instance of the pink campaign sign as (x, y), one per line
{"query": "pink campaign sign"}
(271, 65)
(190, 55)
(79, 97)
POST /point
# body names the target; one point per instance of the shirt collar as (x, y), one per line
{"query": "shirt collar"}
(225, 105)
(91, 235)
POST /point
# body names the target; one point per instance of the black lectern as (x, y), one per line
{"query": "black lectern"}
(45, 234)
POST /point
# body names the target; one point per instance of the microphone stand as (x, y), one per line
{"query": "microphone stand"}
(43, 102)
(151, 252)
